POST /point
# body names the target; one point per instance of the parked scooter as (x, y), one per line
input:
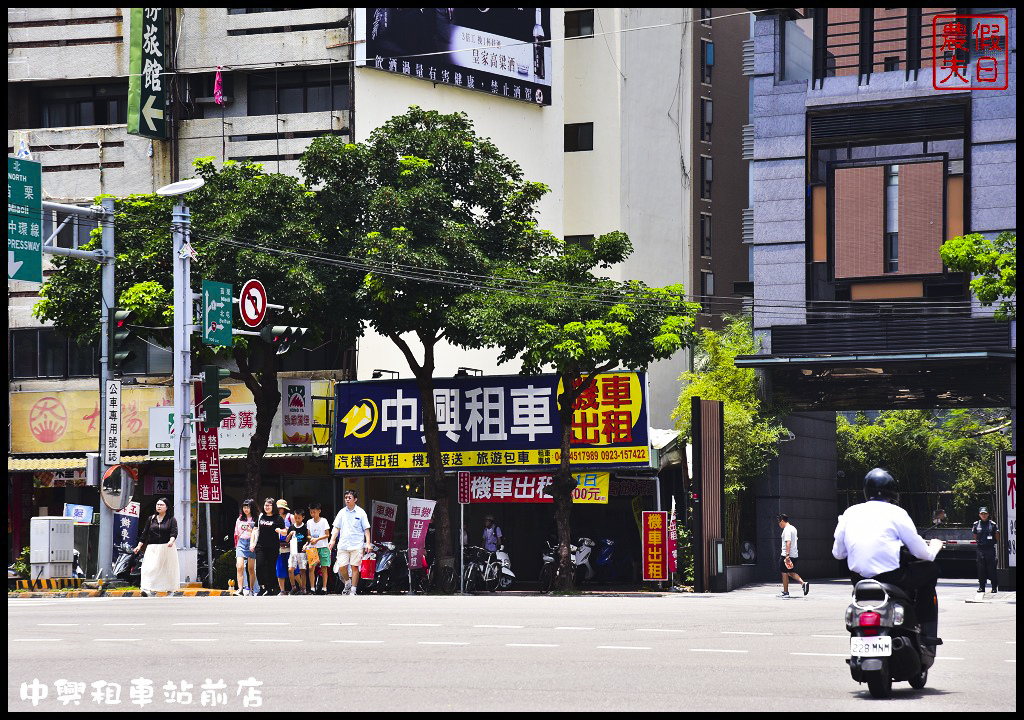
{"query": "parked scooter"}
(584, 571)
(390, 570)
(581, 566)
(505, 575)
(887, 642)
(612, 564)
(127, 566)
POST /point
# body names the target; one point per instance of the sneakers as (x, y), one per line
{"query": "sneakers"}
(807, 587)
(783, 595)
(351, 590)
(348, 587)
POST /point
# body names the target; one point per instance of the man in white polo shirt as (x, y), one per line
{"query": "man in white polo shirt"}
(354, 529)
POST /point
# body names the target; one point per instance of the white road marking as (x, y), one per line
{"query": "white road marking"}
(743, 632)
(529, 645)
(621, 647)
(716, 650)
(668, 630)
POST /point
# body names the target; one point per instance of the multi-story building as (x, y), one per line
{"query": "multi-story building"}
(863, 165)
(642, 114)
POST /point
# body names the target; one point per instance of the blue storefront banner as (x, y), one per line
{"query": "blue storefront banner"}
(490, 423)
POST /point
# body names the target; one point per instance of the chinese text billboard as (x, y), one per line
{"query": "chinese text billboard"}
(500, 51)
(655, 531)
(490, 423)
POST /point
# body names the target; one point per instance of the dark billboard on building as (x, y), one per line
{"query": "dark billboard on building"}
(499, 51)
(490, 423)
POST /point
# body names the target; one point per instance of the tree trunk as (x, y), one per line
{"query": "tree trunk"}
(561, 489)
(266, 394)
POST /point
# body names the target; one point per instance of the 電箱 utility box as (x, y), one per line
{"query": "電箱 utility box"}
(52, 543)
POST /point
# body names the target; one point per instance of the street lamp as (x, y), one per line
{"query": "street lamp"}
(183, 299)
(378, 372)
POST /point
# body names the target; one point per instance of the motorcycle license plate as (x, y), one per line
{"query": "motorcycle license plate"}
(871, 646)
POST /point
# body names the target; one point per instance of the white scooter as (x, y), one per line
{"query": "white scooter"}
(584, 568)
(506, 577)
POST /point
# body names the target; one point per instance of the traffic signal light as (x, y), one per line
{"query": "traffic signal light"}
(120, 334)
(213, 393)
(283, 336)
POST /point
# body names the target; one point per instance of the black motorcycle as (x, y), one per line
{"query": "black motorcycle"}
(127, 566)
(886, 640)
(390, 571)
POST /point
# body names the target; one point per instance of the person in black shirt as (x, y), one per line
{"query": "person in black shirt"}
(160, 569)
(986, 533)
(297, 562)
(270, 531)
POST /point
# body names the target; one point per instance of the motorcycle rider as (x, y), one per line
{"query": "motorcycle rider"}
(869, 536)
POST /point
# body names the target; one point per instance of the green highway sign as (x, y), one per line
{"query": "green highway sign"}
(147, 94)
(216, 313)
(24, 220)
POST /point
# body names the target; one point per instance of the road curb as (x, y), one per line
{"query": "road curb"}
(190, 592)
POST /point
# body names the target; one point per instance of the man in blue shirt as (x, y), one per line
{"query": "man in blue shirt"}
(354, 529)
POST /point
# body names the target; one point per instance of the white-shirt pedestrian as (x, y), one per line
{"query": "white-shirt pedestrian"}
(318, 532)
(351, 526)
(869, 536)
(789, 533)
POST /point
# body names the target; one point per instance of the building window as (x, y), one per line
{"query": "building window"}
(707, 287)
(891, 251)
(579, 137)
(705, 17)
(584, 241)
(579, 23)
(79, 105)
(707, 60)
(705, 177)
(705, 235)
(705, 119)
(47, 353)
(298, 91)
(891, 63)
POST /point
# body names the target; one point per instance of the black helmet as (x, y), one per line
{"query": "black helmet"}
(880, 484)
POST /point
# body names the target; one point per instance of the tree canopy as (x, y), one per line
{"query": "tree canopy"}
(994, 265)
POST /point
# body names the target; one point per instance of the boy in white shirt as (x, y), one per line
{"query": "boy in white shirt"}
(318, 536)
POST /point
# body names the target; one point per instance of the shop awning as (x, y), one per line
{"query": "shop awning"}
(23, 463)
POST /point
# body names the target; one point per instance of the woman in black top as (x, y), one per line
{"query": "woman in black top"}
(160, 571)
(271, 530)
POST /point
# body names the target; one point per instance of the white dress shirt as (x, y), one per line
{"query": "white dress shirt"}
(869, 536)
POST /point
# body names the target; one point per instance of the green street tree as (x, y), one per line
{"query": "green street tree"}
(752, 433)
(993, 264)
(930, 453)
(424, 208)
(556, 312)
(245, 224)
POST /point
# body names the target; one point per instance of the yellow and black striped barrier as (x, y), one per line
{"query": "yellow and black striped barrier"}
(50, 584)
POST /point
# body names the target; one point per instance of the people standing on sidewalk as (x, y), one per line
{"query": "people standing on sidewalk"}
(492, 536)
(352, 532)
(790, 553)
(986, 533)
(245, 557)
(283, 549)
(319, 530)
(160, 570)
(270, 530)
(297, 538)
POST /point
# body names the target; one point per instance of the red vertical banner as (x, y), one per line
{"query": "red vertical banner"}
(382, 521)
(655, 532)
(673, 537)
(464, 481)
(420, 513)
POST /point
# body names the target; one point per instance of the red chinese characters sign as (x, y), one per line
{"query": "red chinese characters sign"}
(970, 52)
(208, 465)
(382, 523)
(591, 488)
(655, 532)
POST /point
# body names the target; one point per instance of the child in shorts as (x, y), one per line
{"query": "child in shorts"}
(297, 557)
(319, 530)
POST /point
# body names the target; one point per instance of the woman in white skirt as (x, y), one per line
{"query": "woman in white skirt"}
(160, 571)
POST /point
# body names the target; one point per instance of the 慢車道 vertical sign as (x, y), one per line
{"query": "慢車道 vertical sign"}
(24, 220)
(655, 531)
(147, 96)
(112, 424)
(217, 308)
(208, 465)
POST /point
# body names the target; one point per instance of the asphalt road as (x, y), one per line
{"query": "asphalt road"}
(741, 651)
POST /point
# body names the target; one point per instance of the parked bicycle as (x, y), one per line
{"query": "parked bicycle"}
(482, 569)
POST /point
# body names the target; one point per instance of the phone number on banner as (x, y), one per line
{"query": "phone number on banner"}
(491, 458)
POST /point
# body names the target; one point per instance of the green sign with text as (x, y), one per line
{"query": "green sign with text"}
(147, 96)
(216, 313)
(24, 220)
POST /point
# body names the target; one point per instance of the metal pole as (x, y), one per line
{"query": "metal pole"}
(462, 548)
(105, 551)
(182, 395)
(209, 546)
